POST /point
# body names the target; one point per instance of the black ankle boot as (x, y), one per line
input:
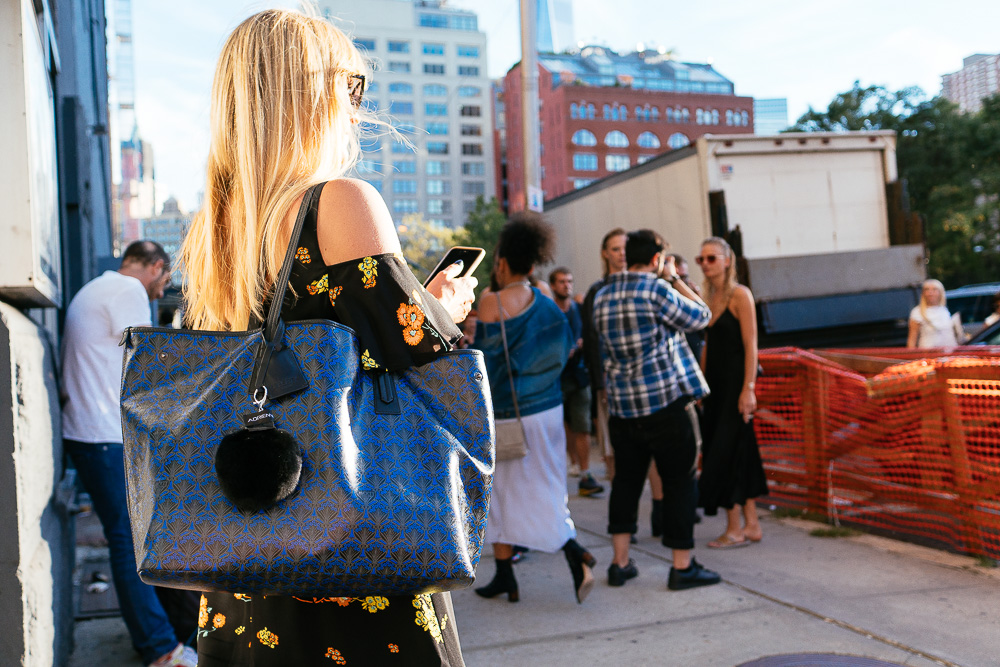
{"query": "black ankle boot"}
(656, 518)
(580, 563)
(503, 582)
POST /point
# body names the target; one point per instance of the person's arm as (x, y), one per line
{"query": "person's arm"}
(681, 312)
(911, 338)
(746, 313)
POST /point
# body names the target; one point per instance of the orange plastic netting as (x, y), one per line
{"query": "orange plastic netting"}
(905, 442)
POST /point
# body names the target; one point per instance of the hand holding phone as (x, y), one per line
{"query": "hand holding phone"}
(469, 257)
(452, 283)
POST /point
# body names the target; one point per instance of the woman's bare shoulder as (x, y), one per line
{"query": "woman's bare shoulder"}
(487, 307)
(354, 222)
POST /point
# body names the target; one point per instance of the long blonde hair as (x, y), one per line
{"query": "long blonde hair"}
(281, 121)
(923, 300)
(730, 282)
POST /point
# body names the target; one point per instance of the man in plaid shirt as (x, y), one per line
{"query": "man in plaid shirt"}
(652, 380)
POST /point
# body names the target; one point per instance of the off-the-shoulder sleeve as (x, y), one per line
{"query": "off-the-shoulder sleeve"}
(397, 322)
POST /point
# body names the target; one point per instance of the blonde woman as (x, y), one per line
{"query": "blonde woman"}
(732, 473)
(285, 113)
(931, 325)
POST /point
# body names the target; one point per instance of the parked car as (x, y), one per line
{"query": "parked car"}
(973, 303)
(987, 335)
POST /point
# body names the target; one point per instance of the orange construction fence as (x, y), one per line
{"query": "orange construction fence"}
(900, 441)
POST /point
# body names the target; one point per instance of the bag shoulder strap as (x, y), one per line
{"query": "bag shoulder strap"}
(506, 354)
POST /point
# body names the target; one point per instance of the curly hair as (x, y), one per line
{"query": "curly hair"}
(526, 240)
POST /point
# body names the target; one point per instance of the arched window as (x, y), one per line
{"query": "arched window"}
(656, 114)
(616, 139)
(623, 111)
(715, 116)
(699, 116)
(607, 112)
(670, 115)
(591, 112)
(685, 116)
(574, 110)
(678, 140)
(745, 117)
(584, 138)
(729, 116)
(638, 113)
(648, 140)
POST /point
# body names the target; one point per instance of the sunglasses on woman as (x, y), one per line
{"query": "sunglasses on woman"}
(356, 89)
(707, 259)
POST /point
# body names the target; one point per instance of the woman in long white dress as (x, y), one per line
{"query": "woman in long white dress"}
(931, 325)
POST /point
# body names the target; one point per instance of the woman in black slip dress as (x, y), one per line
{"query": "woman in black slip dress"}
(732, 473)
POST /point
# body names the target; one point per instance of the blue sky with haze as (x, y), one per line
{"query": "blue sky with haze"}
(806, 51)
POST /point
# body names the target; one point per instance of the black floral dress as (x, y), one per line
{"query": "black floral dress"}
(398, 325)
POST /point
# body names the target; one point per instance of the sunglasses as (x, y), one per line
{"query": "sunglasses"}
(356, 89)
(707, 259)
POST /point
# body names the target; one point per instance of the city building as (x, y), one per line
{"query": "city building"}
(601, 112)
(168, 228)
(554, 25)
(978, 79)
(430, 80)
(770, 116)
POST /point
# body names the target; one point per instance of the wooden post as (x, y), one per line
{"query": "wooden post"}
(815, 407)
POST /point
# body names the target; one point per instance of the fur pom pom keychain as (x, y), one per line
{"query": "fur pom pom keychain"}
(259, 465)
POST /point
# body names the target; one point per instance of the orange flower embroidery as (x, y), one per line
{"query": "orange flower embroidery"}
(411, 318)
(302, 254)
(203, 612)
(393, 648)
(343, 602)
(218, 620)
(318, 286)
(335, 655)
(241, 597)
(369, 268)
(268, 638)
(334, 293)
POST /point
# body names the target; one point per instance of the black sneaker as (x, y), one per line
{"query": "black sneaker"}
(617, 575)
(694, 576)
(588, 486)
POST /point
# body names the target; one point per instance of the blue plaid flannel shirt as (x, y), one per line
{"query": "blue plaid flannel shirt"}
(648, 365)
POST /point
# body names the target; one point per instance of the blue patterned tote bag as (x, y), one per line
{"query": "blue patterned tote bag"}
(386, 491)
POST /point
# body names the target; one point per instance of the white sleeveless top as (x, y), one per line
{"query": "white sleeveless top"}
(937, 330)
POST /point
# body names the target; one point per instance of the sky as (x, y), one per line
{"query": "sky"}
(805, 51)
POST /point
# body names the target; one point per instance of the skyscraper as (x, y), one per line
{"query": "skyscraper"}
(430, 78)
(555, 25)
(978, 79)
(770, 116)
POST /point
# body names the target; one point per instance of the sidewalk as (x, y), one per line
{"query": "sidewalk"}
(792, 593)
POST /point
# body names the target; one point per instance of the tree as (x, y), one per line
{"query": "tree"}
(482, 228)
(871, 108)
(424, 243)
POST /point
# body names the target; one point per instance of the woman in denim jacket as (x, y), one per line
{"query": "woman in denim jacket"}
(528, 506)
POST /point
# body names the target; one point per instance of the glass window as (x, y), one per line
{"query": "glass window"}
(581, 182)
(437, 147)
(745, 117)
(438, 168)
(699, 117)
(584, 138)
(435, 90)
(468, 206)
(401, 108)
(645, 158)
(472, 149)
(715, 117)
(473, 169)
(585, 161)
(473, 188)
(616, 162)
(438, 187)
(469, 91)
(685, 115)
(468, 51)
(648, 140)
(431, 49)
(678, 140)
(397, 46)
(369, 167)
(437, 128)
(433, 69)
(471, 130)
(472, 111)
(400, 89)
(656, 114)
(435, 206)
(401, 147)
(616, 139)
(729, 116)
(404, 186)
(433, 21)
(404, 166)
(405, 206)
(435, 109)
(364, 44)
(574, 110)
(468, 70)
(399, 66)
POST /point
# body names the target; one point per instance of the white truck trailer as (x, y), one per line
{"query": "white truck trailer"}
(816, 220)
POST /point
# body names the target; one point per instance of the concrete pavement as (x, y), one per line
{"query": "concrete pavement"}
(792, 593)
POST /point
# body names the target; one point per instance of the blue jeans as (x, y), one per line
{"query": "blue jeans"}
(101, 467)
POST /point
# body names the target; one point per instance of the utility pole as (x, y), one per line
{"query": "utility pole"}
(529, 105)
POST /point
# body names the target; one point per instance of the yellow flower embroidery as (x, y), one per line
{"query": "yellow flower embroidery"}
(374, 604)
(411, 318)
(203, 612)
(241, 597)
(334, 293)
(302, 254)
(240, 630)
(369, 267)
(367, 362)
(426, 618)
(318, 286)
(218, 620)
(393, 648)
(267, 638)
(335, 655)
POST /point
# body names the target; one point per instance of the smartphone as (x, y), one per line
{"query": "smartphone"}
(470, 258)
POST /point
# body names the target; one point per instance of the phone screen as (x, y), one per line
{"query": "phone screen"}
(470, 257)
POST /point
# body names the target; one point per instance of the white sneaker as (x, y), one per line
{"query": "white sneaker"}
(574, 470)
(181, 656)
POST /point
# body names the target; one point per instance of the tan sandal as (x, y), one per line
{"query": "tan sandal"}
(725, 542)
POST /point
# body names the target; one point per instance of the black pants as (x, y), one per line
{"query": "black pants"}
(666, 437)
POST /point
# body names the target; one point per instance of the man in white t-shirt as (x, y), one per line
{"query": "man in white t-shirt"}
(92, 429)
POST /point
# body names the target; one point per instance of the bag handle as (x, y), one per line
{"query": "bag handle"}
(510, 370)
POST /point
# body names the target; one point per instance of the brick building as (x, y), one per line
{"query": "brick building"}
(601, 113)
